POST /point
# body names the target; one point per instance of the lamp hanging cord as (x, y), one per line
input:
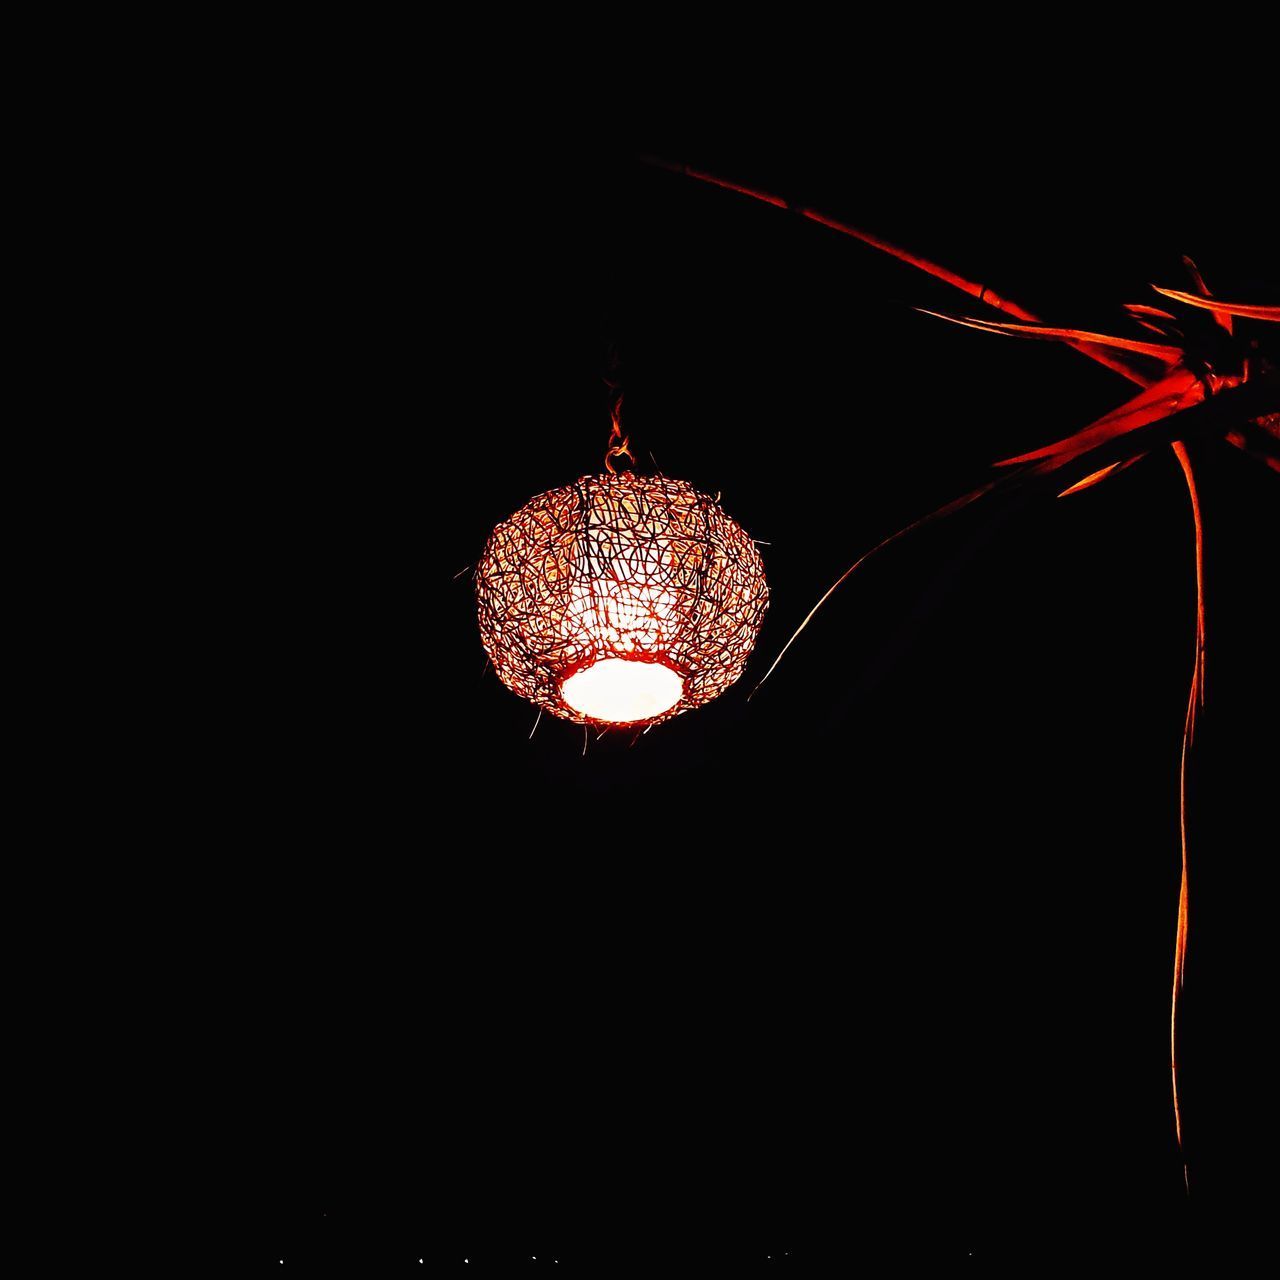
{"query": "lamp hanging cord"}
(619, 444)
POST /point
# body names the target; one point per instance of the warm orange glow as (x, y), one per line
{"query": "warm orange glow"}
(619, 691)
(620, 599)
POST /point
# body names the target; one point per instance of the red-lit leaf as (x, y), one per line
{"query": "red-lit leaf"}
(1154, 319)
(983, 293)
(1090, 480)
(1223, 318)
(1170, 355)
(1162, 398)
(1245, 311)
(1259, 438)
(1141, 309)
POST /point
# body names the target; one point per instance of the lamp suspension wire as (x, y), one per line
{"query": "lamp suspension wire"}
(619, 442)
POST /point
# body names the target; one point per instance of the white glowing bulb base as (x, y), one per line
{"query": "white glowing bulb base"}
(621, 691)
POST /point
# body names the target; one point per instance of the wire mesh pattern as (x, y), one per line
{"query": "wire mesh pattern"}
(628, 567)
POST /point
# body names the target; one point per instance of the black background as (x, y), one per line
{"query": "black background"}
(879, 962)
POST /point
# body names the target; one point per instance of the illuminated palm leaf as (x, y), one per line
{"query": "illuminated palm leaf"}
(1178, 390)
(1170, 355)
(1188, 397)
(1244, 310)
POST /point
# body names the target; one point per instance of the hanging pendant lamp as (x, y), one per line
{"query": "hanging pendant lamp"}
(620, 599)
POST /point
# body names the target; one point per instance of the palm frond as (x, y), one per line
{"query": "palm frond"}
(1159, 400)
(1170, 355)
(1095, 476)
(984, 293)
(1246, 311)
(1221, 318)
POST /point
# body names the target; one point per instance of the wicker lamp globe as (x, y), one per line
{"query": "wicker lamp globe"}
(620, 599)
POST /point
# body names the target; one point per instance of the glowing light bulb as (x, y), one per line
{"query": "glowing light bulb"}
(621, 691)
(623, 605)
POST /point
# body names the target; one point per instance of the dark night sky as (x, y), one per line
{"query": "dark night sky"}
(879, 962)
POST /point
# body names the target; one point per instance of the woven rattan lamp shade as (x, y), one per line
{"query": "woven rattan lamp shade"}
(620, 599)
